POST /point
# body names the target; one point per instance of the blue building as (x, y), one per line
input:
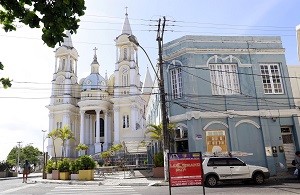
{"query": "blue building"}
(231, 94)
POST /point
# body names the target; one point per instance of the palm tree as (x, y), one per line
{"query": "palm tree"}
(156, 133)
(82, 147)
(64, 134)
(53, 135)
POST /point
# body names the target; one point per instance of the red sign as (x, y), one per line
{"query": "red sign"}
(185, 169)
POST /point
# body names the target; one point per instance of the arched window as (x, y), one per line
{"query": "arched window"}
(125, 121)
(176, 80)
(224, 79)
(125, 77)
(63, 64)
(125, 53)
(71, 65)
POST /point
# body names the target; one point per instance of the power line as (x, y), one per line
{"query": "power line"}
(238, 73)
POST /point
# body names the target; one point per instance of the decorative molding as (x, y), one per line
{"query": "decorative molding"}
(116, 109)
(181, 125)
(247, 121)
(214, 122)
(236, 114)
(244, 51)
(227, 59)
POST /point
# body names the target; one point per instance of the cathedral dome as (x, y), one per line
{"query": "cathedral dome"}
(94, 82)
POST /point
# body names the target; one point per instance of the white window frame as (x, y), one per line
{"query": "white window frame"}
(176, 83)
(224, 79)
(271, 78)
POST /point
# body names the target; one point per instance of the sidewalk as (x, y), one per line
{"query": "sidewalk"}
(141, 179)
(120, 178)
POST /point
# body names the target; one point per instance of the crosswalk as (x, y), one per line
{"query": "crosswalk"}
(92, 189)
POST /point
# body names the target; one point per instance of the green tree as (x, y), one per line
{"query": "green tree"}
(64, 134)
(156, 133)
(5, 81)
(53, 16)
(82, 147)
(28, 152)
(53, 135)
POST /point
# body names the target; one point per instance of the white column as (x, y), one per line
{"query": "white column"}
(76, 68)
(66, 122)
(82, 126)
(116, 125)
(55, 71)
(51, 125)
(133, 117)
(68, 64)
(105, 130)
(109, 125)
(97, 126)
(117, 54)
(97, 144)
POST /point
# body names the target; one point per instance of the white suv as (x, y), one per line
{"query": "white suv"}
(231, 168)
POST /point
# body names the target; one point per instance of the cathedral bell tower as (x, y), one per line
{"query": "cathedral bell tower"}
(65, 93)
(128, 104)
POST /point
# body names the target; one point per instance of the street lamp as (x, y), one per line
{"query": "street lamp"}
(18, 167)
(44, 159)
(133, 39)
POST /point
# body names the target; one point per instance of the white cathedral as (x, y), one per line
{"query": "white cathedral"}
(100, 111)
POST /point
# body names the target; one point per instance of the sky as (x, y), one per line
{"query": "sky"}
(30, 63)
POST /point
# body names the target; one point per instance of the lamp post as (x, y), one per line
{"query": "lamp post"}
(18, 166)
(44, 159)
(133, 39)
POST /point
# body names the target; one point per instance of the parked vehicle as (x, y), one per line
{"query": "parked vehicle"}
(231, 168)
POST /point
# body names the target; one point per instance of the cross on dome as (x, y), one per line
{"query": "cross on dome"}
(95, 54)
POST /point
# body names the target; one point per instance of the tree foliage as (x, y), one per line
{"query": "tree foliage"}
(53, 16)
(64, 134)
(155, 132)
(53, 135)
(82, 147)
(28, 152)
(6, 82)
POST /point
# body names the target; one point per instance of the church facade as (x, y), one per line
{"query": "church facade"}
(100, 110)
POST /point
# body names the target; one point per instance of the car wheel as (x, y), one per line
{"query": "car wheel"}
(258, 178)
(211, 181)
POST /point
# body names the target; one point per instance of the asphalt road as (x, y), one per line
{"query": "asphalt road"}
(17, 187)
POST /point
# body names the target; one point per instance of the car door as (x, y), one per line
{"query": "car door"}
(220, 166)
(239, 169)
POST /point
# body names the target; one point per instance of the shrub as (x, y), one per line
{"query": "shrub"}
(159, 159)
(4, 166)
(64, 165)
(49, 166)
(74, 166)
(86, 163)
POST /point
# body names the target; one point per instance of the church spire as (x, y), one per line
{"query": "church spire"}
(67, 40)
(126, 26)
(95, 65)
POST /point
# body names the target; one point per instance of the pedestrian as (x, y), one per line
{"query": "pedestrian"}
(297, 163)
(26, 170)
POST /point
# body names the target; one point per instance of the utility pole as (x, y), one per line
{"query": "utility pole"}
(166, 145)
(19, 145)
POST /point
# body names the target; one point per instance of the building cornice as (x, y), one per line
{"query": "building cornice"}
(234, 51)
(237, 114)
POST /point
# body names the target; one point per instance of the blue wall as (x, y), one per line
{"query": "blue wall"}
(198, 107)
